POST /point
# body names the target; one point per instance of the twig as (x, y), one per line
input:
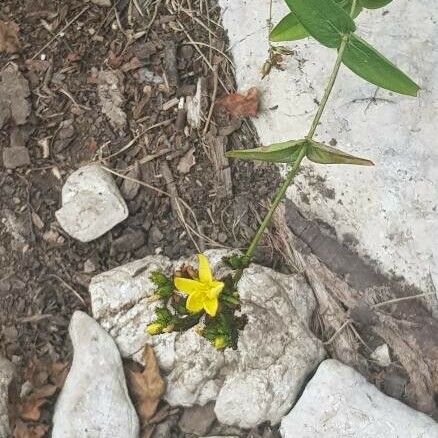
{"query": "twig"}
(136, 138)
(339, 330)
(76, 294)
(66, 93)
(397, 300)
(61, 31)
(213, 101)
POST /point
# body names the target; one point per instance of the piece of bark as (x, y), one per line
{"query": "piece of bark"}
(222, 171)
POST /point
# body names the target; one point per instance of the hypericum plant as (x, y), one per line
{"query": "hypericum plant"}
(195, 297)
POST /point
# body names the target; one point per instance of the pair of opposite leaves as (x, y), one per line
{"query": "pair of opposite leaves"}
(328, 21)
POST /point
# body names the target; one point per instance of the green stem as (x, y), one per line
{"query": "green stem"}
(328, 88)
(275, 203)
(295, 166)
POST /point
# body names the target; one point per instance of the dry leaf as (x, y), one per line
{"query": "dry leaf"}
(31, 406)
(9, 41)
(23, 430)
(146, 386)
(58, 373)
(31, 409)
(241, 105)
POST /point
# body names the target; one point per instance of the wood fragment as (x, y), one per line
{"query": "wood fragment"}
(223, 182)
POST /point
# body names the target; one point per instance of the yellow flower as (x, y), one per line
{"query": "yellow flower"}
(204, 292)
(154, 328)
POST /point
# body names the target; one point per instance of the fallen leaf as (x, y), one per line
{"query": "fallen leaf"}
(31, 405)
(9, 42)
(31, 409)
(241, 105)
(187, 161)
(23, 430)
(146, 386)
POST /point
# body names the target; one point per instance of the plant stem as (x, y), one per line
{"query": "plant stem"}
(295, 166)
(328, 88)
(275, 203)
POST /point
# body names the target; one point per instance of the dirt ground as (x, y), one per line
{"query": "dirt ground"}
(156, 53)
(158, 58)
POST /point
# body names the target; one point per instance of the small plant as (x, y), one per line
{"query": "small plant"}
(331, 22)
(195, 298)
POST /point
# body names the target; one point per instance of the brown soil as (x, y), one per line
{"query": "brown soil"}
(44, 274)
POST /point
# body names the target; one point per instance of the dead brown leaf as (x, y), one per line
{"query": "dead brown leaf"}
(9, 42)
(241, 105)
(146, 386)
(23, 430)
(31, 409)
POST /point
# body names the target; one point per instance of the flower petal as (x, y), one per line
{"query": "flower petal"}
(211, 305)
(215, 289)
(188, 286)
(205, 275)
(195, 302)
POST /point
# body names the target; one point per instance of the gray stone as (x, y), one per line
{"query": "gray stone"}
(16, 156)
(7, 373)
(258, 382)
(94, 401)
(91, 204)
(197, 419)
(104, 3)
(339, 402)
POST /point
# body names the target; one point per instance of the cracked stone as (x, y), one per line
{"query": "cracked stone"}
(94, 400)
(258, 382)
(91, 204)
(338, 401)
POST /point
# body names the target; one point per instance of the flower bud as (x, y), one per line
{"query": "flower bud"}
(220, 343)
(154, 328)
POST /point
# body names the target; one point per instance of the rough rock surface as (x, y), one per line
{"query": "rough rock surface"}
(258, 382)
(6, 375)
(15, 156)
(339, 402)
(14, 91)
(94, 401)
(91, 204)
(393, 204)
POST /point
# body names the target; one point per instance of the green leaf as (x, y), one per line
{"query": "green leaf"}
(323, 154)
(288, 29)
(374, 4)
(369, 64)
(325, 20)
(285, 152)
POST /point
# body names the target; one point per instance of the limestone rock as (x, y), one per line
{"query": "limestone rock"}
(91, 204)
(197, 419)
(6, 374)
(94, 401)
(258, 382)
(338, 401)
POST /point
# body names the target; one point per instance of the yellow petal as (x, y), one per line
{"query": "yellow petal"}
(205, 275)
(188, 286)
(195, 302)
(215, 289)
(211, 305)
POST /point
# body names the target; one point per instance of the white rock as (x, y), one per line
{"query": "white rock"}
(339, 402)
(381, 355)
(390, 209)
(258, 382)
(91, 204)
(94, 401)
(6, 375)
